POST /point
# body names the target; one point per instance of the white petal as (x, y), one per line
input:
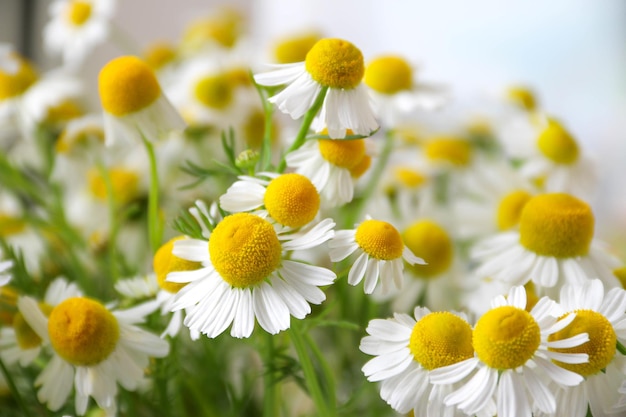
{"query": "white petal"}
(269, 309)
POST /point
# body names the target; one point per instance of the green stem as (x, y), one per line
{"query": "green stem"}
(304, 127)
(14, 390)
(270, 403)
(621, 349)
(113, 223)
(326, 370)
(155, 228)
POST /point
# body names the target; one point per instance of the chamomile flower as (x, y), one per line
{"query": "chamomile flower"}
(380, 252)
(333, 67)
(94, 349)
(246, 275)
(553, 246)
(407, 349)
(602, 316)
(7, 61)
(133, 103)
(5, 276)
(513, 356)
(294, 48)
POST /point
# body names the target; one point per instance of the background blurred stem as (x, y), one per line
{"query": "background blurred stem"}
(155, 228)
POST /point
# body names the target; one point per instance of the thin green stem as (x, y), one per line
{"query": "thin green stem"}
(304, 127)
(155, 227)
(326, 370)
(270, 397)
(621, 348)
(113, 223)
(14, 390)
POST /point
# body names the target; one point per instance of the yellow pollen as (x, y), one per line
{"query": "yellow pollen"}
(82, 331)
(14, 84)
(506, 337)
(292, 200)
(78, 12)
(379, 240)
(165, 262)
(432, 243)
(389, 75)
(454, 150)
(557, 225)
(124, 184)
(441, 339)
(214, 91)
(409, 177)
(342, 153)
(127, 85)
(620, 273)
(361, 168)
(159, 55)
(600, 347)
(25, 335)
(244, 249)
(295, 49)
(522, 97)
(11, 225)
(510, 209)
(557, 144)
(335, 63)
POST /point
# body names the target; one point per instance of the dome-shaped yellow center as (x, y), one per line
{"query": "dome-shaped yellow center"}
(389, 74)
(14, 84)
(361, 167)
(506, 337)
(620, 274)
(159, 54)
(557, 225)
(556, 144)
(522, 97)
(24, 334)
(11, 225)
(342, 153)
(244, 249)
(124, 184)
(82, 331)
(224, 27)
(78, 12)
(292, 200)
(214, 91)
(165, 262)
(449, 149)
(294, 49)
(600, 347)
(379, 240)
(409, 177)
(127, 85)
(62, 112)
(431, 242)
(441, 339)
(510, 209)
(335, 63)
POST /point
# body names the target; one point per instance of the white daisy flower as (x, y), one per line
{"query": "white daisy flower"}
(5, 276)
(290, 199)
(512, 358)
(94, 349)
(76, 26)
(245, 275)
(407, 349)
(380, 251)
(553, 246)
(333, 67)
(134, 105)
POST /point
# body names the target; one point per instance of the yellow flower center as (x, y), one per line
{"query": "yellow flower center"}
(441, 339)
(68, 142)
(63, 111)
(409, 177)
(620, 273)
(78, 12)
(379, 240)
(510, 209)
(557, 225)
(295, 49)
(342, 153)
(335, 63)
(11, 225)
(159, 54)
(254, 129)
(600, 347)
(124, 184)
(506, 337)
(223, 28)
(361, 167)
(82, 331)
(522, 97)
(432, 243)
(456, 151)
(389, 75)
(214, 91)
(244, 249)
(292, 200)
(127, 85)
(165, 262)
(14, 84)
(557, 144)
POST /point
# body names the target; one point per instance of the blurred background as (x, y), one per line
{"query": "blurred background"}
(572, 53)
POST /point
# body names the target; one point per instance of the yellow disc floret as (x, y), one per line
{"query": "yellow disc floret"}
(13, 84)
(292, 200)
(78, 12)
(506, 337)
(342, 153)
(159, 55)
(82, 331)
(510, 208)
(361, 167)
(379, 240)
(389, 75)
(600, 347)
(557, 225)
(441, 339)
(11, 225)
(409, 177)
(556, 144)
(454, 150)
(244, 249)
(124, 184)
(522, 97)
(295, 48)
(127, 85)
(165, 262)
(620, 273)
(335, 63)
(431, 242)
(214, 91)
